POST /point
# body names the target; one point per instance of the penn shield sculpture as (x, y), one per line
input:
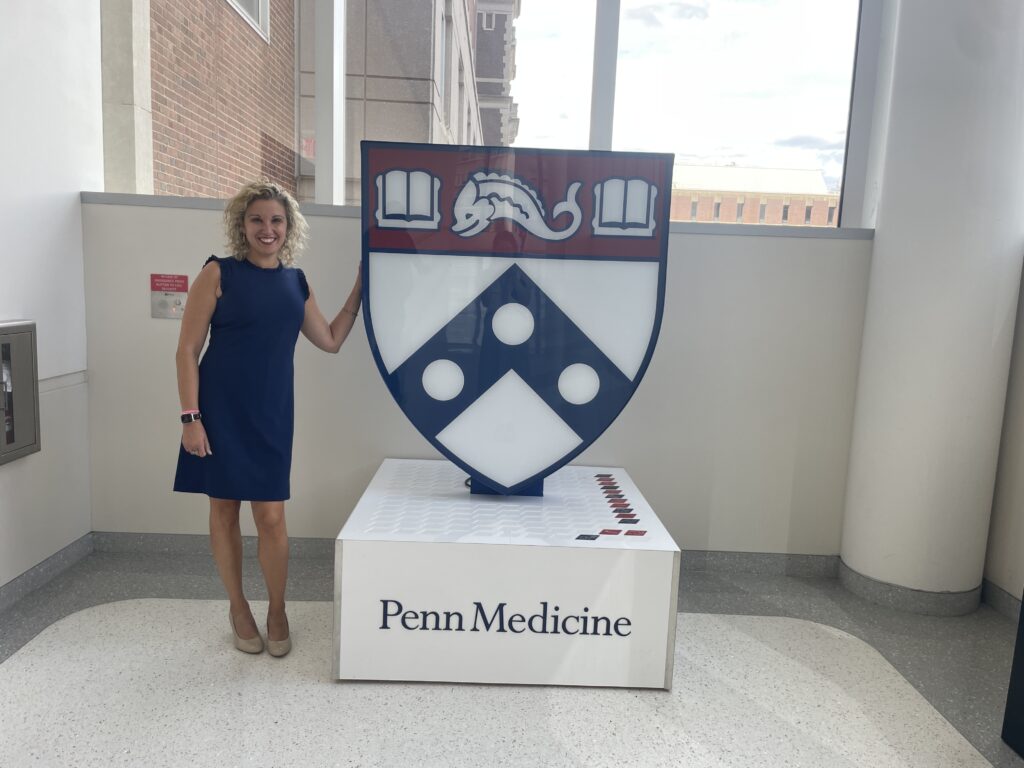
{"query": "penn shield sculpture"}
(512, 297)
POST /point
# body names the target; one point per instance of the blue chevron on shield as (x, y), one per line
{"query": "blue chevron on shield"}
(512, 297)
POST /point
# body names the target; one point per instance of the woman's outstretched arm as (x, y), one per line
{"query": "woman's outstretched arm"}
(330, 336)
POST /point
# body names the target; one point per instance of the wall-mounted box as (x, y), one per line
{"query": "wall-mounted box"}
(19, 390)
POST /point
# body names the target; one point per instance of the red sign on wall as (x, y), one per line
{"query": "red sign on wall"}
(169, 283)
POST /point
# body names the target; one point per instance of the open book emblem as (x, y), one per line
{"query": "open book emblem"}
(407, 199)
(509, 333)
(625, 207)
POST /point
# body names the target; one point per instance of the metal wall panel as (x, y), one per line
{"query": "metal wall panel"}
(19, 390)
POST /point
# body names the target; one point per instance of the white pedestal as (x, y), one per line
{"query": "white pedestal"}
(577, 587)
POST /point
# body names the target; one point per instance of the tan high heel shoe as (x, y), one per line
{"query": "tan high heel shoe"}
(245, 645)
(279, 648)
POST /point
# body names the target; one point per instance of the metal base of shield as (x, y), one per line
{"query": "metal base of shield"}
(578, 587)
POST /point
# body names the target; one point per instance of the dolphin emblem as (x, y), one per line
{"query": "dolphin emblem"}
(487, 197)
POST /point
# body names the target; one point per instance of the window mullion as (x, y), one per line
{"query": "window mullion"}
(602, 95)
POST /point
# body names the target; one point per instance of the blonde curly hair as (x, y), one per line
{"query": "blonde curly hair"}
(234, 220)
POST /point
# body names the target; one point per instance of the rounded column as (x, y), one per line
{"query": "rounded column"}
(941, 307)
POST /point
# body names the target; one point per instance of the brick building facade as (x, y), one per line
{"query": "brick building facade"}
(753, 208)
(223, 97)
(731, 195)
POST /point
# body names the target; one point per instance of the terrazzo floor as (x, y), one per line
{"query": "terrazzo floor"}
(125, 659)
(138, 682)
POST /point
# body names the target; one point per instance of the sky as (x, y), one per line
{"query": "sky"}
(757, 83)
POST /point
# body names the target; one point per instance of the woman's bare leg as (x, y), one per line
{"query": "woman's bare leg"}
(226, 545)
(273, 554)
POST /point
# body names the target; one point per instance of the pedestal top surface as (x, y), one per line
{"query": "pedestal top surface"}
(429, 501)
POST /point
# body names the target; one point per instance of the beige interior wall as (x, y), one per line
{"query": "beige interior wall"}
(44, 497)
(738, 435)
(53, 137)
(1004, 563)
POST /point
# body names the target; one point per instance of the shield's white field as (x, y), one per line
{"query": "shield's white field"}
(414, 296)
(509, 433)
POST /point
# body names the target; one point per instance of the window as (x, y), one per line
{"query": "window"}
(718, 211)
(689, 76)
(256, 12)
(807, 214)
(693, 210)
(785, 213)
(831, 214)
(548, 116)
(429, 72)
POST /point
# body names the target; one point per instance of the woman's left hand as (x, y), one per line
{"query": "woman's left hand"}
(329, 336)
(194, 439)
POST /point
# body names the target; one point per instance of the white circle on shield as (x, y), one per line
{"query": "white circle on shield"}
(443, 379)
(579, 383)
(512, 324)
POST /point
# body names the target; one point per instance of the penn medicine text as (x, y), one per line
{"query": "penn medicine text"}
(546, 621)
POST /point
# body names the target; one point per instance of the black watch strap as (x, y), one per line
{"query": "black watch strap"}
(190, 417)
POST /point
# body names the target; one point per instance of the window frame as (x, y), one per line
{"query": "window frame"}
(853, 188)
(262, 24)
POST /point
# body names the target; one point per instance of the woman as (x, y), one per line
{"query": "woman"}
(237, 404)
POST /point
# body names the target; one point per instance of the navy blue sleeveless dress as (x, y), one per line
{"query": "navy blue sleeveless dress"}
(246, 385)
